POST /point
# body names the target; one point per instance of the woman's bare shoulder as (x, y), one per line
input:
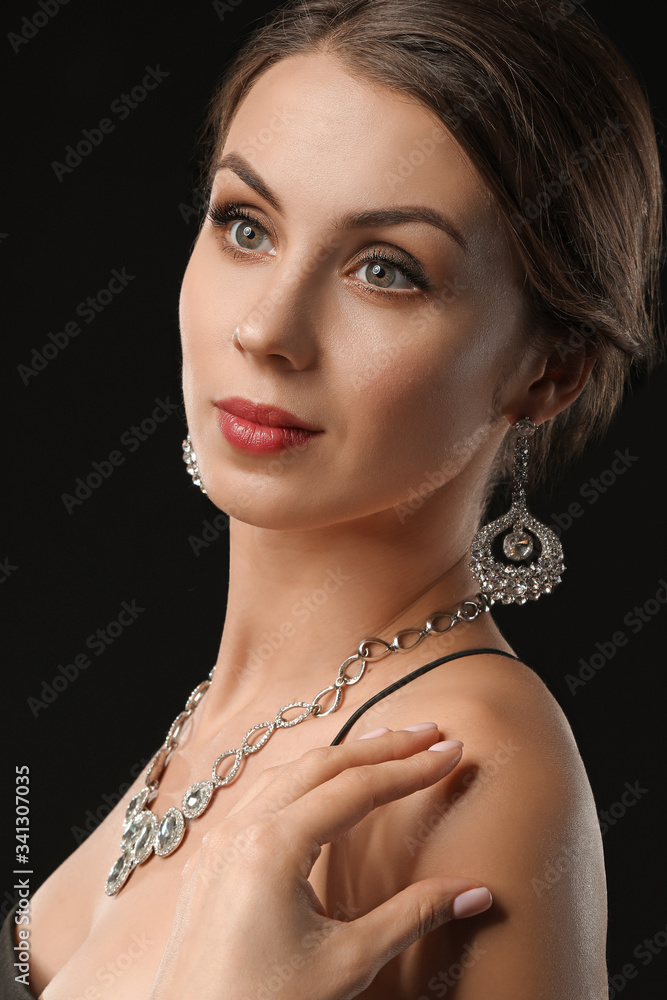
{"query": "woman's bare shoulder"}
(487, 693)
(517, 814)
(521, 791)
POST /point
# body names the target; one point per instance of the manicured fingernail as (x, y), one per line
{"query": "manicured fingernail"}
(374, 732)
(471, 902)
(446, 745)
(421, 725)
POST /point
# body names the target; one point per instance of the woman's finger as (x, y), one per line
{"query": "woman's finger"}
(333, 807)
(414, 912)
(279, 786)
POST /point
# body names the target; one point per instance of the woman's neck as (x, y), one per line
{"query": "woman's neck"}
(299, 603)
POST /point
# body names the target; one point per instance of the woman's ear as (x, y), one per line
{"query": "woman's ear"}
(559, 379)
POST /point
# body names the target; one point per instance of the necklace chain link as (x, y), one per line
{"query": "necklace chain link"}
(144, 835)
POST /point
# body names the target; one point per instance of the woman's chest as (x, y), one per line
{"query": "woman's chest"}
(90, 946)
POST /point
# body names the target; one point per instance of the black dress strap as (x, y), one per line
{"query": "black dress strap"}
(406, 680)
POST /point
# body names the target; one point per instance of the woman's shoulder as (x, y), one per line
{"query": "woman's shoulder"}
(519, 795)
(511, 725)
(484, 697)
(516, 736)
(517, 813)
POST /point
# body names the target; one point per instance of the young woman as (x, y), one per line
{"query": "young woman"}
(432, 234)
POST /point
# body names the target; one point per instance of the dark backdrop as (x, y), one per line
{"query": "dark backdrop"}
(129, 208)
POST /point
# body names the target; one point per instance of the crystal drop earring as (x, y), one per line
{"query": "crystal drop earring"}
(190, 460)
(189, 456)
(517, 558)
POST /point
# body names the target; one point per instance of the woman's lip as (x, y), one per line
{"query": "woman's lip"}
(262, 414)
(259, 438)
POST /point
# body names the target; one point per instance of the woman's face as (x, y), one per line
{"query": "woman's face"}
(395, 360)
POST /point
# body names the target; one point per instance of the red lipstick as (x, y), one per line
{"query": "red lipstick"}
(259, 428)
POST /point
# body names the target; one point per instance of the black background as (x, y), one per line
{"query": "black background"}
(126, 206)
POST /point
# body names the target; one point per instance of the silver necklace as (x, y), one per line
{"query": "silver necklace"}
(144, 835)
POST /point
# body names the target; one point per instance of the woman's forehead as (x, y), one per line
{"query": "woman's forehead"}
(332, 143)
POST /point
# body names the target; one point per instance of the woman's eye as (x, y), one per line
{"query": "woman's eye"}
(380, 273)
(230, 218)
(249, 235)
(377, 272)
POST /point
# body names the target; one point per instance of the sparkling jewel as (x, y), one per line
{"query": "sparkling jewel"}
(130, 834)
(143, 845)
(117, 868)
(525, 427)
(190, 459)
(138, 836)
(517, 545)
(520, 581)
(197, 798)
(499, 581)
(144, 840)
(137, 803)
(118, 874)
(170, 832)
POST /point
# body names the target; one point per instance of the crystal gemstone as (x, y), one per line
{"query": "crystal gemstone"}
(136, 804)
(170, 832)
(144, 837)
(517, 545)
(167, 830)
(117, 868)
(131, 833)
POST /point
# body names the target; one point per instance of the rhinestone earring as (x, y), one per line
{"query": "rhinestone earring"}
(190, 460)
(517, 558)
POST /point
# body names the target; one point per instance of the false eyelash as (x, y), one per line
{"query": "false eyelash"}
(221, 214)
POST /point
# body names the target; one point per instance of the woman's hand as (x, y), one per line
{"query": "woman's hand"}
(248, 921)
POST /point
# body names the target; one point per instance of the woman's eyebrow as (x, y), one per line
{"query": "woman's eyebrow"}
(355, 220)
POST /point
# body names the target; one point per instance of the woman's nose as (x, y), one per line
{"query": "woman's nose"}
(284, 318)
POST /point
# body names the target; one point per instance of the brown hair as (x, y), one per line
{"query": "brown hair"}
(559, 127)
